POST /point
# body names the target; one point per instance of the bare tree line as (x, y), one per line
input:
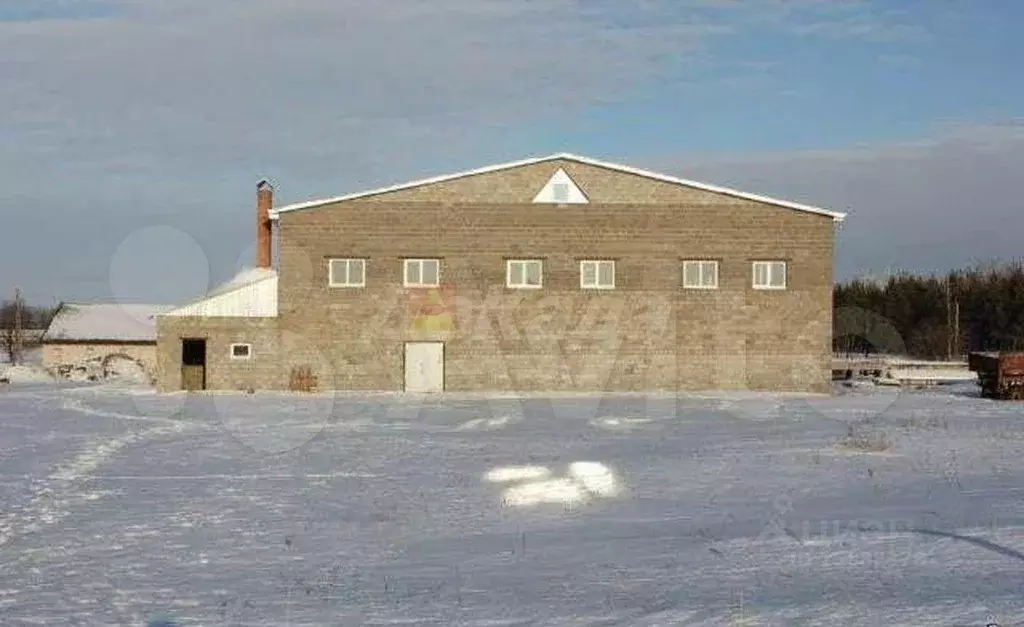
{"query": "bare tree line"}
(20, 325)
(941, 316)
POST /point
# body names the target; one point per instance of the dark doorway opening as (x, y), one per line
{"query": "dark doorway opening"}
(193, 364)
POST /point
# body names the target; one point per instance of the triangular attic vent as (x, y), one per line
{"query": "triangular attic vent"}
(562, 190)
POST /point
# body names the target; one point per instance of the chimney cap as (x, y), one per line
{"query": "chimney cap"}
(264, 184)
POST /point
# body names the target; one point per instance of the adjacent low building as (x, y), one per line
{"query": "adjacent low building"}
(559, 273)
(82, 332)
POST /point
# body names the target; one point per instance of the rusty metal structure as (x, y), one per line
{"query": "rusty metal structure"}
(1000, 374)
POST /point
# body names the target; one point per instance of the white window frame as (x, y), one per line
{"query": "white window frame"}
(701, 264)
(596, 285)
(234, 357)
(523, 286)
(348, 272)
(405, 272)
(769, 263)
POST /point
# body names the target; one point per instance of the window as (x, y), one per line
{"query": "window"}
(241, 351)
(700, 275)
(347, 272)
(422, 272)
(597, 275)
(769, 275)
(523, 273)
(560, 192)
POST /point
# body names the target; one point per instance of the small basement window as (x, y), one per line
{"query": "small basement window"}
(700, 274)
(422, 272)
(597, 274)
(346, 272)
(241, 351)
(523, 273)
(769, 275)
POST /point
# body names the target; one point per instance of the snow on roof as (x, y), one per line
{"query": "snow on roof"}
(835, 215)
(246, 276)
(260, 301)
(76, 322)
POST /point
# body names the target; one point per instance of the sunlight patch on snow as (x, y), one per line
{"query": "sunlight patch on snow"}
(565, 491)
(516, 473)
(535, 486)
(596, 478)
(619, 422)
(487, 423)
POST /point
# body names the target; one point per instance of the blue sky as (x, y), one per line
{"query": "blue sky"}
(134, 130)
(780, 91)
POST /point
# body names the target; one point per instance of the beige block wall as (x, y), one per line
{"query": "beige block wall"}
(572, 341)
(60, 354)
(264, 370)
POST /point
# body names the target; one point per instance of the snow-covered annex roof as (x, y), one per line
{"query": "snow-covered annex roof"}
(835, 215)
(252, 293)
(115, 322)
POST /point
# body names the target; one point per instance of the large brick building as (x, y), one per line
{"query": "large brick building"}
(560, 273)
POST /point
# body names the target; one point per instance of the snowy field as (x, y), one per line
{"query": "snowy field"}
(870, 507)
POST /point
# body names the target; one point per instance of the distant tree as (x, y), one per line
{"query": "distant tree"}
(11, 325)
(15, 319)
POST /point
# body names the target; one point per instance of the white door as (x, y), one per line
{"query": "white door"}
(424, 366)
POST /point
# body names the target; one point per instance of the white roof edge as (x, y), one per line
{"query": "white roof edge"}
(835, 215)
(402, 186)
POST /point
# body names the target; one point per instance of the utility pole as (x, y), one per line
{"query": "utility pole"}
(18, 337)
(949, 323)
(956, 327)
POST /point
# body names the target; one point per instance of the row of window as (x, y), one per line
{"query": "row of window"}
(597, 274)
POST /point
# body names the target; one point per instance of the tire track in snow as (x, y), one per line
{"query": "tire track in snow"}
(54, 497)
(73, 404)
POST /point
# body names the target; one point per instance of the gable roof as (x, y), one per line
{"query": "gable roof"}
(835, 215)
(77, 322)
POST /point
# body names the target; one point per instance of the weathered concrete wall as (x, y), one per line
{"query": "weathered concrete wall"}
(60, 354)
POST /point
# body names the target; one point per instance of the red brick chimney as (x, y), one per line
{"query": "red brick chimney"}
(264, 202)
